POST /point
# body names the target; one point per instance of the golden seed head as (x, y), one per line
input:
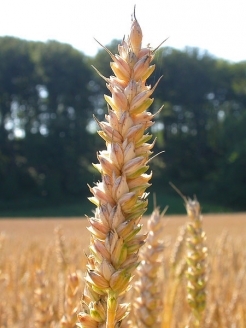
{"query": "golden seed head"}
(120, 196)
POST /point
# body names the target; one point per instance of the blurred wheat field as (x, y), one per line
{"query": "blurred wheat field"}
(36, 257)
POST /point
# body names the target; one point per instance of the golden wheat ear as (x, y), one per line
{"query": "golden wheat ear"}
(196, 258)
(69, 318)
(148, 299)
(120, 196)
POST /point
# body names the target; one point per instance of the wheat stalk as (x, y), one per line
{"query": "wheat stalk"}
(120, 197)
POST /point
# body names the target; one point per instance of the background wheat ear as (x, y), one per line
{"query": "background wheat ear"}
(175, 269)
(44, 311)
(71, 305)
(196, 258)
(61, 249)
(147, 304)
(120, 196)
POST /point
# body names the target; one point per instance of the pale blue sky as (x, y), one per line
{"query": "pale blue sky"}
(218, 26)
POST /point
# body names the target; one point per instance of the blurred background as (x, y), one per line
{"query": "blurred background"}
(49, 93)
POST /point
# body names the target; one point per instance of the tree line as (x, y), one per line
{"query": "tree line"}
(49, 93)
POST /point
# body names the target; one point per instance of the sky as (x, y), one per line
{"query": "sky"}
(218, 26)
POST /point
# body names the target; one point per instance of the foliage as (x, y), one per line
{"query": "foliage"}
(45, 109)
(48, 93)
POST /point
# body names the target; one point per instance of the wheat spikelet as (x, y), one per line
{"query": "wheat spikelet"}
(120, 197)
(147, 307)
(196, 256)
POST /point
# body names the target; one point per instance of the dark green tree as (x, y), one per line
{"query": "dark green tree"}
(64, 113)
(45, 108)
(49, 93)
(18, 98)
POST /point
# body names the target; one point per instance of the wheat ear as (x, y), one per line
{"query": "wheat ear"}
(149, 285)
(177, 267)
(196, 257)
(61, 249)
(44, 312)
(120, 197)
(69, 318)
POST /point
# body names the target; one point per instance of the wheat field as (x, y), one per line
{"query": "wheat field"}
(38, 255)
(185, 271)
